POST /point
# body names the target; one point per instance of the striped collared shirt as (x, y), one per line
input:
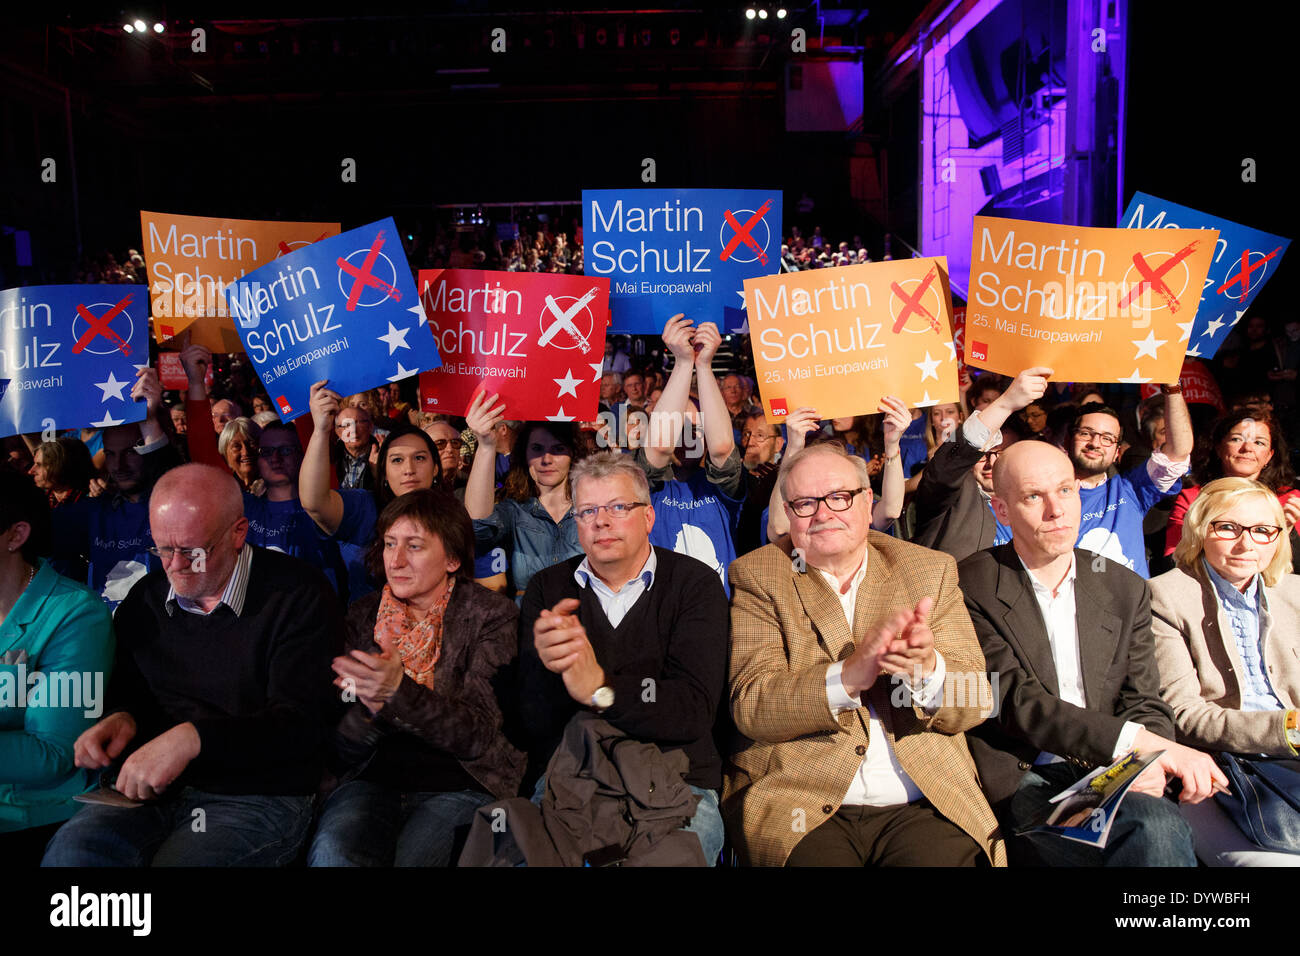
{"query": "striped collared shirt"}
(232, 597)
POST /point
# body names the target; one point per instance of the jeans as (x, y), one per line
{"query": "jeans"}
(706, 824)
(1147, 831)
(192, 828)
(369, 824)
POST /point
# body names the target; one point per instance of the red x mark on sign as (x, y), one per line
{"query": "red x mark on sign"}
(1152, 277)
(363, 276)
(743, 232)
(100, 327)
(284, 246)
(912, 303)
(1246, 269)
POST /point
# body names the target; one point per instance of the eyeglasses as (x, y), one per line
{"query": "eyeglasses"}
(990, 456)
(278, 451)
(619, 509)
(442, 443)
(1231, 531)
(1105, 439)
(836, 501)
(746, 436)
(166, 554)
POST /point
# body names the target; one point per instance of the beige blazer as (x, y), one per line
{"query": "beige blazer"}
(794, 761)
(1199, 663)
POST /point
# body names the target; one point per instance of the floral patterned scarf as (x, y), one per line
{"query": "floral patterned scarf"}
(418, 642)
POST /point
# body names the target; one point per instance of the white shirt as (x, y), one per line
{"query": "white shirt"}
(881, 780)
(616, 604)
(1060, 616)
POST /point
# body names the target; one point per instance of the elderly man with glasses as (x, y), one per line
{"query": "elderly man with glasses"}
(1114, 506)
(635, 633)
(220, 691)
(854, 673)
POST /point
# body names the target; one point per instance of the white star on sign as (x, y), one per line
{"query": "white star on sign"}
(1193, 353)
(112, 388)
(559, 416)
(402, 373)
(395, 339)
(598, 368)
(927, 400)
(1239, 315)
(1187, 330)
(1149, 345)
(108, 422)
(419, 311)
(1135, 379)
(568, 384)
(1213, 327)
(929, 368)
(742, 328)
(952, 351)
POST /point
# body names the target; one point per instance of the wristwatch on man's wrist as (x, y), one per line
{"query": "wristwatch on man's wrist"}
(603, 699)
(1292, 729)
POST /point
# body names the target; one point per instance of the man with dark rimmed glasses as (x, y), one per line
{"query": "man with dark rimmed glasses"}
(853, 751)
(1114, 506)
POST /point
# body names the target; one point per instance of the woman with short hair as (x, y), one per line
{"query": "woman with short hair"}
(62, 469)
(1227, 627)
(237, 445)
(422, 745)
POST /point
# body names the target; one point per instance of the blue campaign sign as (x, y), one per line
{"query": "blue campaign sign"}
(679, 250)
(1243, 261)
(343, 308)
(69, 354)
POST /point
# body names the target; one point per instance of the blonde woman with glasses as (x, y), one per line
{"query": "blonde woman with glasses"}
(1227, 628)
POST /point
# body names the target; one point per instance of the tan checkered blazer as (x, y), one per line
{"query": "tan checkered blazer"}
(794, 761)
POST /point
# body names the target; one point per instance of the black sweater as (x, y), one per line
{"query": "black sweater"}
(257, 687)
(666, 662)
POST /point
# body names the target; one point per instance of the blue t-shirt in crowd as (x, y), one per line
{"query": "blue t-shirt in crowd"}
(1113, 513)
(353, 536)
(284, 526)
(113, 535)
(696, 516)
(911, 446)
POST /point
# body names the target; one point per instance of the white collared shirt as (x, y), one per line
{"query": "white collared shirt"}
(1060, 616)
(881, 780)
(616, 604)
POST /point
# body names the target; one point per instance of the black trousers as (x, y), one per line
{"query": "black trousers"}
(912, 834)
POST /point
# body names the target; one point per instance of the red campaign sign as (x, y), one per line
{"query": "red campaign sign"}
(1198, 385)
(172, 373)
(538, 339)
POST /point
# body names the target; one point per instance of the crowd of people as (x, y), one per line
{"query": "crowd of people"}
(886, 639)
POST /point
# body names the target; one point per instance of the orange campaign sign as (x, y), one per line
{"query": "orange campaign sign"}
(1094, 305)
(838, 340)
(191, 260)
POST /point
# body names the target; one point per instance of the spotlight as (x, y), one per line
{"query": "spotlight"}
(139, 25)
(751, 13)
(780, 13)
(158, 28)
(762, 13)
(129, 28)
